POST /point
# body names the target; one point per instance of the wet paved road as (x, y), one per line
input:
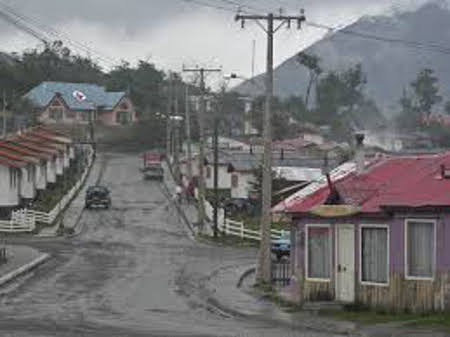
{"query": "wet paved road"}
(133, 272)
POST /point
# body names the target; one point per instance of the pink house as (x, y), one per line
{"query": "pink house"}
(56, 103)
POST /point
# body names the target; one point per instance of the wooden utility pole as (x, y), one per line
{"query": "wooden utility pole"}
(188, 134)
(201, 123)
(263, 272)
(176, 138)
(220, 106)
(4, 116)
(168, 120)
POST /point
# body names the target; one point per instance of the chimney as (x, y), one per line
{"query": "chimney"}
(359, 152)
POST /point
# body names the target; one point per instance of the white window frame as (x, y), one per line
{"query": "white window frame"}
(370, 283)
(316, 279)
(433, 267)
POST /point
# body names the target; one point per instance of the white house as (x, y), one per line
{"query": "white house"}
(40, 160)
(52, 155)
(241, 183)
(10, 183)
(223, 176)
(27, 174)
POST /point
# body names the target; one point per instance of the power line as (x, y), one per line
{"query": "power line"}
(433, 47)
(209, 5)
(45, 32)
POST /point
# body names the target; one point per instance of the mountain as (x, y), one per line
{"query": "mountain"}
(389, 67)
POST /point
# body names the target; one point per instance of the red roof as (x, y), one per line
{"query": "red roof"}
(49, 137)
(34, 147)
(413, 181)
(11, 163)
(42, 142)
(23, 150)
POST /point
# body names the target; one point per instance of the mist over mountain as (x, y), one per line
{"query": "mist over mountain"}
(389, 67)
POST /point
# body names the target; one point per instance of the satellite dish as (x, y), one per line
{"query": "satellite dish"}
(79, 96)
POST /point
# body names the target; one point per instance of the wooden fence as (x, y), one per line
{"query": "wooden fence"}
(237, 228)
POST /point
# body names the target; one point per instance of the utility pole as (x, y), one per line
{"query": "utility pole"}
(4, 115)
(168, 121)
(201, 123)
(188, 134)
(263, 273)
(176, 138)
(221, 106)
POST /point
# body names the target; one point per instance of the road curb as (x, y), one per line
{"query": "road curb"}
(24, 269)
(244, 275)
(231, 310)
(177, 206)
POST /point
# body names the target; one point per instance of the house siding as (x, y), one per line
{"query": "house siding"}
(41, 176)
(224, 177)
(9, 195)
(27, 186)
(400, 294)
(244, 185)
(51, 170)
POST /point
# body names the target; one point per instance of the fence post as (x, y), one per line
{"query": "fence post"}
(242, 230)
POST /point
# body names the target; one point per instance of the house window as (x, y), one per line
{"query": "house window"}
(235, 181)
(208, 172)
(420, 248)
(56, 113)
(374, 254)
(318, 252)
(122, 117)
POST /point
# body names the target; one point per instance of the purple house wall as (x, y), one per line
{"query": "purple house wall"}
(400, 293)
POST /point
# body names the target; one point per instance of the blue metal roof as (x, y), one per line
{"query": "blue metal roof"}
(96, 96)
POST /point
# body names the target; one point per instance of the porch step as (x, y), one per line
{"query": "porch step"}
(325, 305)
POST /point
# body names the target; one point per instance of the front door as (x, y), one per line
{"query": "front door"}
(345, 263)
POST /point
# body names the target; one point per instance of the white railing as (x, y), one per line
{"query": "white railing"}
(24, 220)
(237, 228)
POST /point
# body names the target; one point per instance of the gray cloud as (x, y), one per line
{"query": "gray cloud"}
(172, 32)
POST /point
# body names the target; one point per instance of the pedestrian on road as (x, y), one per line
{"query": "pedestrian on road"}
(178, 194)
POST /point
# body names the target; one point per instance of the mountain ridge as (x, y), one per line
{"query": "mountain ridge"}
(389, 67)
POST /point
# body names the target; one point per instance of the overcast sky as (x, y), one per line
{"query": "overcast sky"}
(171, 33)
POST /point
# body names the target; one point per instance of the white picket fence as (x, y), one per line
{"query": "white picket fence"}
(236, 228)
(24, 220)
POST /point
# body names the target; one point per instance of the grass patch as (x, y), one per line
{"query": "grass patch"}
(363, 315)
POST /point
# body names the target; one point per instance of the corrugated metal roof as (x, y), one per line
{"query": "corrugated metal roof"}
(95, 95)
(42, 142)
(24, 151)
(49, 136)
(34, 147)
(412, 181)
(18, 156)
(298, 173)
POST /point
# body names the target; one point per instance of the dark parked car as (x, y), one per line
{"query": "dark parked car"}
(235, 205)
(97, 196)
(282, 246)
